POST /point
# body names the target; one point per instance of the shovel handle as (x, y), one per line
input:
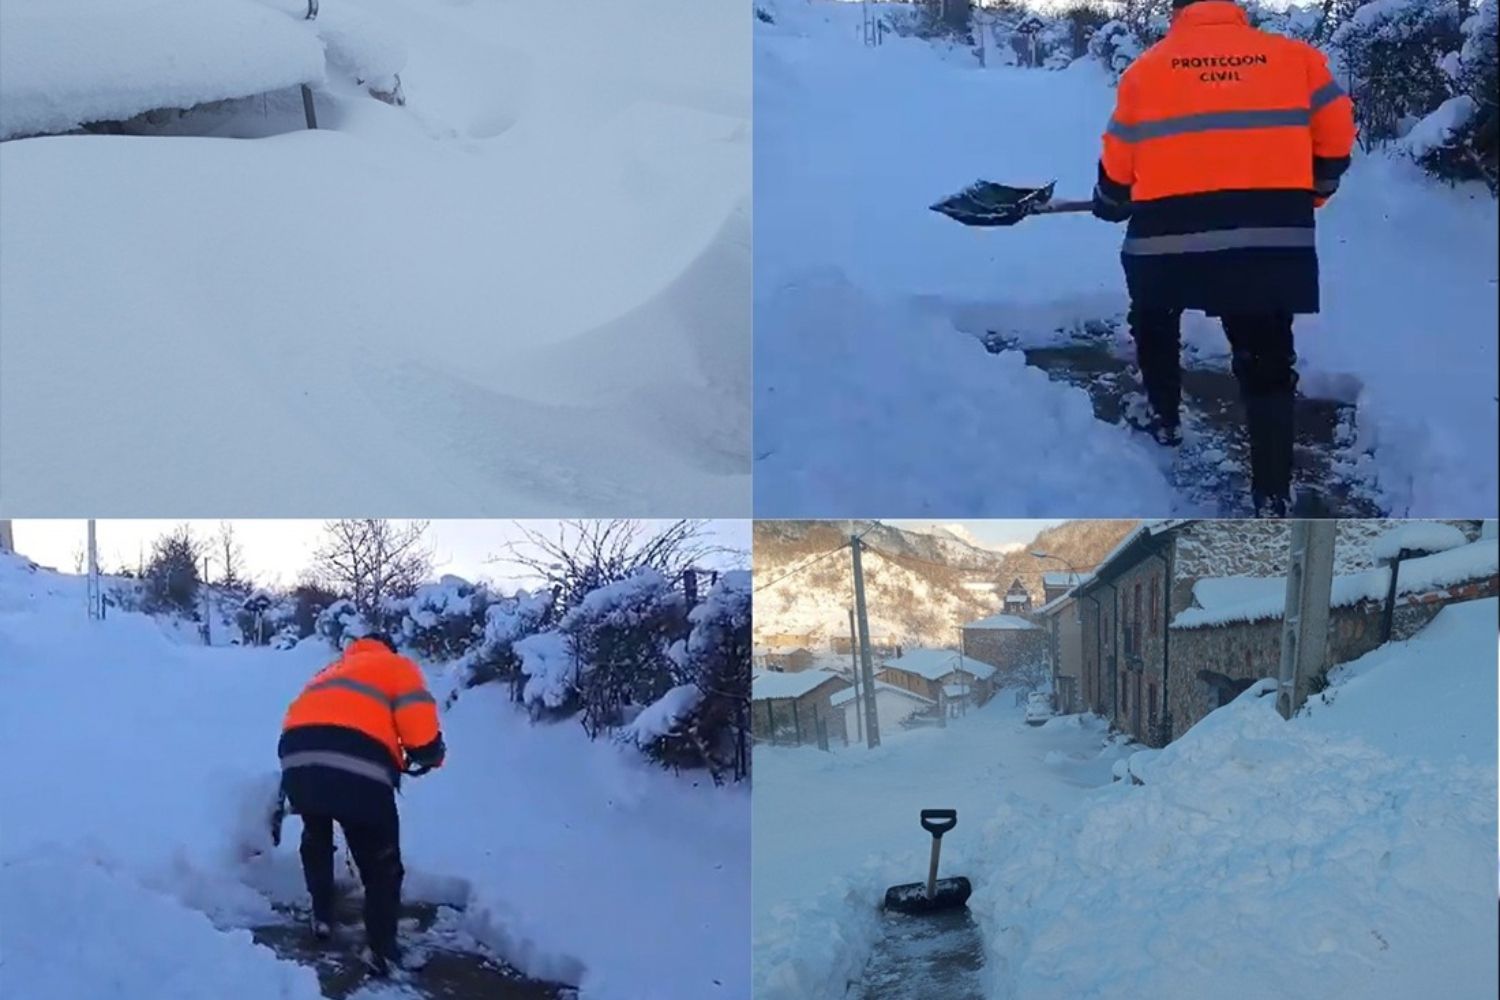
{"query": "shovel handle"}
(1058, 207)
(939, 821)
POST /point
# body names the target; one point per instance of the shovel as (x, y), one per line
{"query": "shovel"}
(935, 895)
(985, 203)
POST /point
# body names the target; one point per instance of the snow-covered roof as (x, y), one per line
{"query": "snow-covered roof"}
(1143, 530)
(1420, 536)
(847, 695)
(1002, 623)
(794, 684)
(70, 62)
(1017, 598)
(935, 664)
(1061, 579)
(1222, 600)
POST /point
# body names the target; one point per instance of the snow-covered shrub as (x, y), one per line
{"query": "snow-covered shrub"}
(1458, 140)
(619, 635)
(1116, 45)
(255, 618)
(1303, 23)
(443, 620)
(507, 622)
(341, 622)
(703, 720)
(1392, 53)
(1078, 22)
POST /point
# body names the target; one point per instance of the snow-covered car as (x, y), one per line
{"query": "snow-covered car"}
(1038, 708)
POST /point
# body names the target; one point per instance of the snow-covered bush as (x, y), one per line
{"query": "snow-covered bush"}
(507, 622)
(443, 620)
(171, 577)
(703, 720)
(619, 635)
(1116, 45)
(1077, 24)
(255, 618)
(1457, 141)
(340, 622)
(1392, 54)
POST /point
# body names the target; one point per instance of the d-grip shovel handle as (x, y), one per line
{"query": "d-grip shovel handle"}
(939, 821)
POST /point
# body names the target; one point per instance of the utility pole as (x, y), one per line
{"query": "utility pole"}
(208, 607)
(1304, 626)
(872, 725)
(859, 706)
(94, 590)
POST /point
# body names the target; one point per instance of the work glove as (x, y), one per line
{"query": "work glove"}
(1111, 199)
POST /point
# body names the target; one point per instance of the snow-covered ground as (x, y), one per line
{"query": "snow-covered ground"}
(137, 761)
(525, 291)
(1348, 853)
(873, 393)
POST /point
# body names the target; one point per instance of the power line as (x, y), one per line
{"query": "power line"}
(798, 569)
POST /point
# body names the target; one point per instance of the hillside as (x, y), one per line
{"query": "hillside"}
(915, 581)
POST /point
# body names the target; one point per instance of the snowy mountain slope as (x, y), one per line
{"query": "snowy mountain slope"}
(1358, 839)
(919, 587)
(864, 297)
(531, 283)
(157, 754)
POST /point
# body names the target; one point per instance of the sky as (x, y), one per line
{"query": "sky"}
(276, 552)
(991, 534)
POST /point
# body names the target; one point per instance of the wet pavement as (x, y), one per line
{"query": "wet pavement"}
(456, 966)
(1211, 468)
(920, 957)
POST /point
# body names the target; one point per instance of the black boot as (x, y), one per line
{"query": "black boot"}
(1158, 354)
(1272, 432)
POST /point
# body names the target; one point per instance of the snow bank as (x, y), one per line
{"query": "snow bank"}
(72, 928)
(1372, 873)
(65, 63)
(1418, 536)
(858, 396)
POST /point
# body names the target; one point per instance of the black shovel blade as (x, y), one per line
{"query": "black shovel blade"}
(985, 203)
(948, 894)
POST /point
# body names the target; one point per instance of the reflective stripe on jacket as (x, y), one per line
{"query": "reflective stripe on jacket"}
(1223, 140)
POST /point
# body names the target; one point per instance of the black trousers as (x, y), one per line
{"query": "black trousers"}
(1264, 363)
(376, 848)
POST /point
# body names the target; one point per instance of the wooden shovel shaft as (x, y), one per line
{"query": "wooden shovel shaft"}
(937, 846)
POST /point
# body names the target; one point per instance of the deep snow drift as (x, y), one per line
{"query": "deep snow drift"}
(526, 291)
(1348, 853)
(872, 390)
(137, 760)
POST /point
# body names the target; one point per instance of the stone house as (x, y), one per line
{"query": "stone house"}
(796, 708)
(1137, 593)
(1062, 620)
(1054, 585)
(1013, 644)
(790, 660)
(940, 676)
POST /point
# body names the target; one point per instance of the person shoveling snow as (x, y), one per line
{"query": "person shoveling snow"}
(1223, 142)
(348, 737)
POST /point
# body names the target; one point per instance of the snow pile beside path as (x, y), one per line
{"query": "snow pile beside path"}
(73, 929)
(869, 399)
(1371, 873)
(64, 63)
(817, 948)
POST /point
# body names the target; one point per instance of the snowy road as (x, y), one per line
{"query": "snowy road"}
(526, 292)
(868, 304)
(833, 830)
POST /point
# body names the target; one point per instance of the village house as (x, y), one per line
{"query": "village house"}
(796, 708)
(1017, 598)
(1054, 585)
(786, 650)
(882, 643)
(1062, 619)
(894, 707)
(1135, 669)
(1008, 642)
(940, 675)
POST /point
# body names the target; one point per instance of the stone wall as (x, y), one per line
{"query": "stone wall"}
(1009, 651)
(1235, 655)
(1142, 642)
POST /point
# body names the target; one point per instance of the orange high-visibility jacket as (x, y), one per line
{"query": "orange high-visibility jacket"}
(376, 693)
(1223, 140)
